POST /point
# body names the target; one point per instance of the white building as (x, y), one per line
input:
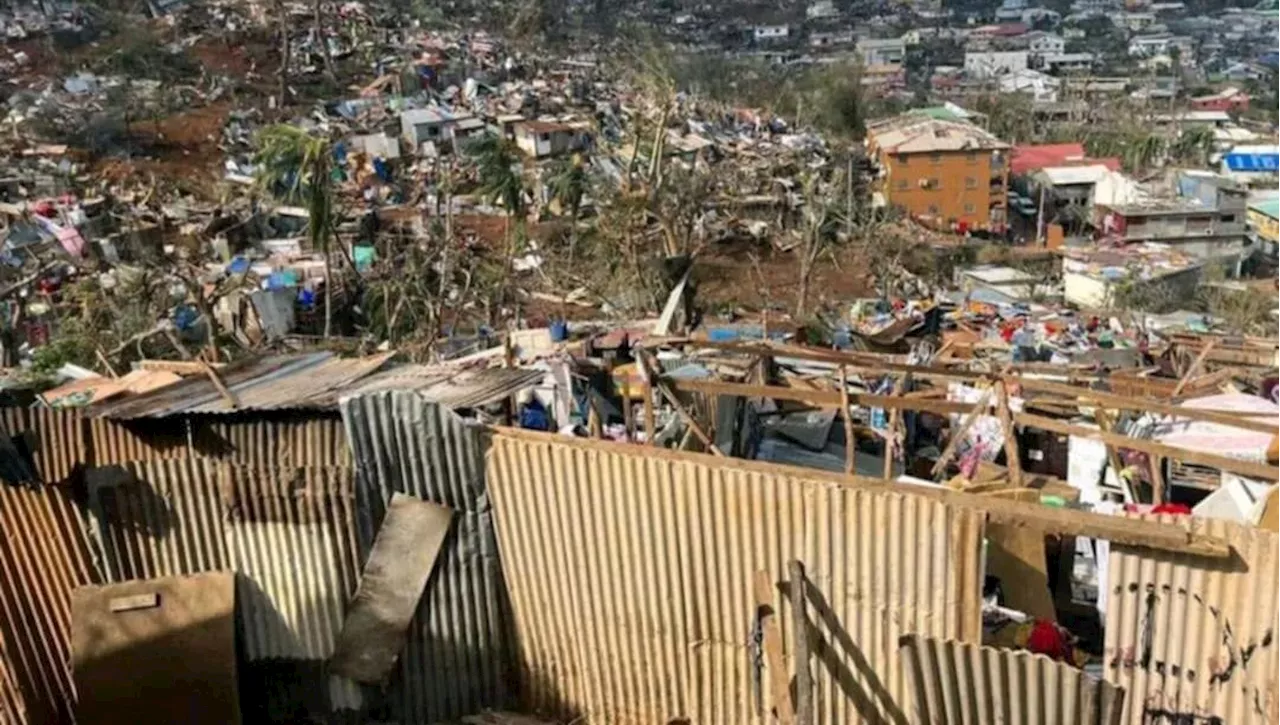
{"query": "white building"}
(821, 9)
(987, 64)
(766, 33)
(1042, 88)
(881, 51)
(1067, 62)
(1041, 44)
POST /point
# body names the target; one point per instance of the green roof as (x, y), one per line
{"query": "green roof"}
(940, 113)
(1270, 207)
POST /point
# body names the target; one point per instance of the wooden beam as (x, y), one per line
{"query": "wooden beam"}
(1195, 365)
(1010, 435)
(226, 394)
(974, 412)
(1222, 463)
(689, 419)
(822, 398)
(775, 662)
(850, 438)
(1110, 400)
(895, 419)
(650, 420)
(800, 630)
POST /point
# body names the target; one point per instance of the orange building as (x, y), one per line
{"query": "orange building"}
(949, 174)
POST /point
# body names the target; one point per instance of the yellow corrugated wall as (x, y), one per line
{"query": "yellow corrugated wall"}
(631, 569)
(1193, 639)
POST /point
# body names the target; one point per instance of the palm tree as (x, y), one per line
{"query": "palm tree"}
(499, 169)
(1194, 146)
(297, 167)
(568, 183)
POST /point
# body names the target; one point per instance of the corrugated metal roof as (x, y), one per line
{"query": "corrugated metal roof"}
(452, 387)
(631, 571)
(316, 381)
(277, 382)
(1192, 639)
(457, 656)
(967, 684)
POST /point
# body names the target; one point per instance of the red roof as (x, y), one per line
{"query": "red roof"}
(1031, 158)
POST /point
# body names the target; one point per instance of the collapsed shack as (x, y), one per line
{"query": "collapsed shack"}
(283, 470)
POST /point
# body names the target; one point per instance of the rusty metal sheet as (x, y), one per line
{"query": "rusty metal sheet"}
(277, 382)
(1194, 640)
(157, 518)
(630, 571)
(43, 557)
(315, 440)
(53, 439)
(403, 444)
(967, 684)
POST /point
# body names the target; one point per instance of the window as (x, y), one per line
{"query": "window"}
(1228, 218)
(903, 184)
(902, 159)
(544, 137)
(970, 182)
(932, 184)
(933, 209)
(969, 208)
(935, 159)
(971, 157)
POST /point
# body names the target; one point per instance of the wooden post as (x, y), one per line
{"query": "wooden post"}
(958, 433)
(1191, 371)
(895, 420)
(774, 660)
(1010, 437)
(850, 439)
(1157, 478)
(689, 419)
(800, 628)
(650, 422)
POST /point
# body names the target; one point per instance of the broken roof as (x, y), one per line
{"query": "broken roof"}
(913, 133)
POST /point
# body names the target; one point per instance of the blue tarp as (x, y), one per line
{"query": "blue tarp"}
(1253, 162)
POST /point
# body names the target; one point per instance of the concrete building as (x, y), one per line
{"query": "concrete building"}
(1252, 165)
(881, 51)
(1067, 62)
(950, 173)
(1208, 222)
(1227, 99)
(1263, 226)
(542, 139)
(437, 126)
(1042, 88)
(1041, 43)
(989, 64)
(770, 33)
(1093, 279)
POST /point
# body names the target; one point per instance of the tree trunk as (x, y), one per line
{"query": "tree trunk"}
(318, 22)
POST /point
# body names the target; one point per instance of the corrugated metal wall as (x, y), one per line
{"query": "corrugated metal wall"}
(457, 658)
(53, 438)
(1194, 640)
(289, 533)
(631, 578)
(966, 684)
(42, 558)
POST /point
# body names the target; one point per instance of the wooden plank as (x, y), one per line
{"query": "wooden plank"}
(1010, 435)
(1235, 420)
(895, 420)
(800, 629)
(974, 413)
(688, 419)
(222, 388)
(775, 662)
(1195, 366)
(1244, 468)
(392, 583)
(822, 398)
(850, 438)
(650, 419)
